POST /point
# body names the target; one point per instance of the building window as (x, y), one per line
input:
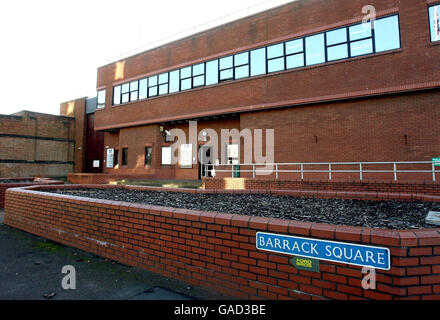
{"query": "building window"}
(315, 50)
(342, 43)
(152, 86)
(212, 72)
(198, 73)
(124, 156)
(125, 93)
(163, 83)
(361, 39)
(116, 158)
(134, 90)
(148, 152)
(174, 81)
(387, 34)
(295, 54)
(101, 99)
(434, 22)
(258, 62)
(241, 65)
(226, 68)
(275, 58)
(117, 95)
(337, 44)
(143, 89)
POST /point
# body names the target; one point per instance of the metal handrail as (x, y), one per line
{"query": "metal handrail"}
(330, 170)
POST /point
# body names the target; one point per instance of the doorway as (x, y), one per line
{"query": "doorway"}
(206, 161)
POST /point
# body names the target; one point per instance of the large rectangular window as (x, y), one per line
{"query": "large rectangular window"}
(101, 99)
(258, 62)
(434, 22)
(143, 89)
(315, 50)
(212, 72)
(387, 34)
(117, 95)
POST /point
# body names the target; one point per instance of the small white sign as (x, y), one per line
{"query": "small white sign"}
(166, 156)
(186, 156)
(96, 164)
(110, 155)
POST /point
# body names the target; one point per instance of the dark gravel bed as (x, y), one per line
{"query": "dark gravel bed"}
(16, 181)
(373, 214)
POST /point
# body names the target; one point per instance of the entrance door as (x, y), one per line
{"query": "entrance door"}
(205, 160)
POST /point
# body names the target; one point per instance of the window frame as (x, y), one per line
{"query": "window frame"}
(190, 78)
(101, 105)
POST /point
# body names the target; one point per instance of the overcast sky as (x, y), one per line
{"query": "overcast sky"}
(50, 49)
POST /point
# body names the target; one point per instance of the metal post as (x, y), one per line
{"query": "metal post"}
(395, 172)
(302, 172)
(360, 171)
(232, 170)
(253, 171)
(433, 171)
(330, 171)
(276, 171)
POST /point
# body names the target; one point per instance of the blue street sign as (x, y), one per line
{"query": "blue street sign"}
(349, 253)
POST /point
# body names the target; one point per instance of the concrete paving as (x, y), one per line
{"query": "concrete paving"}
(31, 269)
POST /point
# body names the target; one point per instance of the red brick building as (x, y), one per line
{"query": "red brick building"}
(332, 90)
(36, 145)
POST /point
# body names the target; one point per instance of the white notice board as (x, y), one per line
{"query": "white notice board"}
(110, 155)
(186, 156)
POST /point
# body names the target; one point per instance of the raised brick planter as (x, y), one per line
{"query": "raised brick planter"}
(324, 185)
(20, 182)
(218, 251)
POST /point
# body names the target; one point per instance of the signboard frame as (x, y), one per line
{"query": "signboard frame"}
(186, 156)
(387, 257)
(110, 158)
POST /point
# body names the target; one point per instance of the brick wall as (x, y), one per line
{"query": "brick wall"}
(22, 182)
(76, 109)
(218, 251)
(35, 144)
(377, 187)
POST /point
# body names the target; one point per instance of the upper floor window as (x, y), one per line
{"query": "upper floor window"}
(434, 22)
(101, 99)
(346, 42)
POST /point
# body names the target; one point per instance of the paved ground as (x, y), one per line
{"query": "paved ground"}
(30, 268)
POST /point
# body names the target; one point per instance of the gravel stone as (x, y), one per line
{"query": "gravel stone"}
(396, 215)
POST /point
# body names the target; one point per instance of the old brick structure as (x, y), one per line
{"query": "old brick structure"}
(36, 145)
(331, 91)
